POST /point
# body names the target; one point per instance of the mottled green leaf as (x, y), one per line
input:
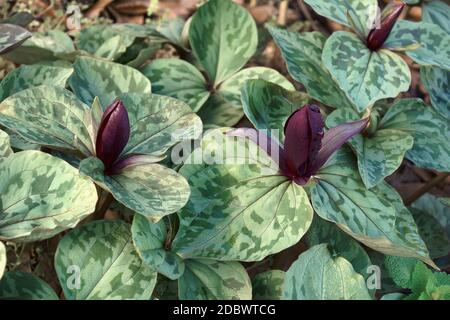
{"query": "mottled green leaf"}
(434, 42)
(41, 196)
(42, 46)
(32, 76)
(432, 233)
(172, 30)
(206, 279)
(365, 76)
(5, 146)
(413, 116)
(150, 240)
(437, 12)
(437, 83)
(151, 189)
(267, 105)
(98, 261)
(216, 112)
(437, 207)
(223, 37)
(317, 274)
(230, 89)
(268, 285)
(110, 41)
(2, 259)
(375, 217)
(158, 123)
(340, 243)
(25, 286)
(240, 207)
(12, 36)
(49, 116)
(363, 11)
(379, 153)
(178, 79)
(303, 55)
(106, 80)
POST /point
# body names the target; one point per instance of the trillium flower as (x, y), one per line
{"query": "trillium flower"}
(378, 35)
(306, 147)
(112, 137)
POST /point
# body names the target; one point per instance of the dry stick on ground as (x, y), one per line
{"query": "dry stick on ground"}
(307, 14)
(97, 8)
(282, 12)
(427, 187)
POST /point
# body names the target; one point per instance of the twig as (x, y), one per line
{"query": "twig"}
(307, 14)
(427, 187)
(282, 12)
(97, 8)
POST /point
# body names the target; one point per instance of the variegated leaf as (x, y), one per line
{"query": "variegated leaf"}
(318, 274)
(5, 146)
(240, 208)
(230, 89)
(206, 279)
(49, 116)
(363, 12)
(110, 41)
(32, 76)
(379, 153)
(172, 30)
(41, 196)
(268, 285)
(151, 190)
(16, 285)
(149, 240)
(413, 116)
(437, 12)
(434, 235)
(434, 42)
(2, 259)
(437, 83)
(178, 79)
(43, 46)
(158, 123)
(267, 105)
(375, 217)
(217, 112)
(223, 37)
(106, 80)
(342, 244)
(102, 256)
(439, 208)
(12, 36)
(303, 55)
(365, 76)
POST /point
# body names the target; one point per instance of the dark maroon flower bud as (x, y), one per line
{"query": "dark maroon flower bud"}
(306, 147)
(378, 35)
(113, 134)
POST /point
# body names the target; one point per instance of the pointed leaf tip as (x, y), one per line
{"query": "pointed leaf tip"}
(335, 138)
(113, 133)
(389, 17)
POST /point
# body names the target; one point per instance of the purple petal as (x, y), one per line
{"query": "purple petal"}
(389, 17)
(132, 161)
(113, 133)
(303, 139)
(334, 139)
(269, 144)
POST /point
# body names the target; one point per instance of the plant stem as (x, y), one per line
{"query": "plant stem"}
(427, 187)
(100, 213)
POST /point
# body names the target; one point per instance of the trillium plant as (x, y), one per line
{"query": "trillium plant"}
(224, 157)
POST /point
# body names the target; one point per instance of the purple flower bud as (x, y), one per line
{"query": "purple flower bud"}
(378, 35)
(113, 134)
(306, 146)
